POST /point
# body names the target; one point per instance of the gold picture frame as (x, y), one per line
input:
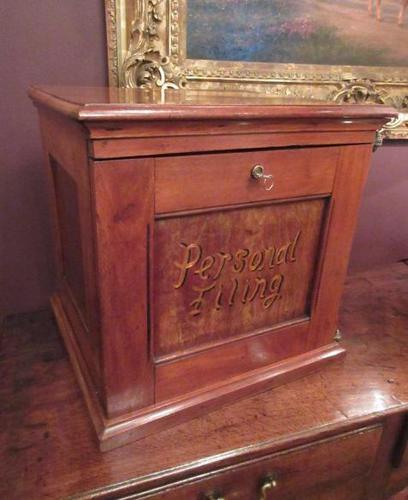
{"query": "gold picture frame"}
(147, 42)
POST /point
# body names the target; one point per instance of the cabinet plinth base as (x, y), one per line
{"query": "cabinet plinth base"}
(115, 432)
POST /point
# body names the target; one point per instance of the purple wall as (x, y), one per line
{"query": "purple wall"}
(63, 42)
(382, 231)
(48, 42)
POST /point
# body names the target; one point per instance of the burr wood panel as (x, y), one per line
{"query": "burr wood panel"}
(233, 272)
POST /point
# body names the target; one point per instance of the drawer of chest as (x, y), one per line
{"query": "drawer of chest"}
(337, 467)
(200, 181)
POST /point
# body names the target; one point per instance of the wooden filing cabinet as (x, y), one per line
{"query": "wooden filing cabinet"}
(201, 244)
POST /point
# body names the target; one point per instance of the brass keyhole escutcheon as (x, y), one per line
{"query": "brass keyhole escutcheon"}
(269, 483)
(258, 173)
(213, 496)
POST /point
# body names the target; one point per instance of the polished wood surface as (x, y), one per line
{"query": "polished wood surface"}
(66, 151)
(239, 271)
(238, 139)
(186, 281)
(98, 103)
(327, 469)
(123, 215)
(296, 173)
(352, 171)
(49, 449)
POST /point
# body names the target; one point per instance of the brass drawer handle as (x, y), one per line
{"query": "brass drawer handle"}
(213, 496)
(269, 483)
(258, 173)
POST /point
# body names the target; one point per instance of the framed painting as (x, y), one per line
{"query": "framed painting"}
(354, 51)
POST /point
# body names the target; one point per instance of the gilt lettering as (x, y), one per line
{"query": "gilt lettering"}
(251, 275)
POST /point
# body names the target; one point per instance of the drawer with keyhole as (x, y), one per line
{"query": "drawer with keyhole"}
(200, 181)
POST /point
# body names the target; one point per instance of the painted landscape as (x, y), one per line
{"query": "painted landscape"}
(339, 32)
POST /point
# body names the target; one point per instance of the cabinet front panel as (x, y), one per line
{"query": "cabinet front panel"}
(233, 273)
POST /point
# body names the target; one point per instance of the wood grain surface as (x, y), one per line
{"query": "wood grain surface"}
(49, 449)
(66, 158)
(231, 272)
(180, 287)
(123, 216)
(99, 103)
(200, 181)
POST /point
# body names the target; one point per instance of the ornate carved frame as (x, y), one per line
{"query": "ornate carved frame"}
(147, 48)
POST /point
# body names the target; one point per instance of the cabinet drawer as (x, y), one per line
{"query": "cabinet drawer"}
(193, 182)
(337, 466)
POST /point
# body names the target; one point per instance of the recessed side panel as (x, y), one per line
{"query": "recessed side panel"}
(67, 203)
(65, 146)
(232, 273)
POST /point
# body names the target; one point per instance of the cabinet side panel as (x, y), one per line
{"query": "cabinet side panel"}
(68, 216)
(350, 178)
(123, 191)
(65, 149)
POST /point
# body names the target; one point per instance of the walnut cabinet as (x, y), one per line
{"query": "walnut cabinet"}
(201, 244)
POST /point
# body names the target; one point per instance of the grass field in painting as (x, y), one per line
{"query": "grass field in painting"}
(337, 32)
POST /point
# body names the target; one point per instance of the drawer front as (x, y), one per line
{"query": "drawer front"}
(193, 182)
(337, 467)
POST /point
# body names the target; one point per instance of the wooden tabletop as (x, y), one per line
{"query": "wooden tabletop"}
(111, 103)
(47, 441)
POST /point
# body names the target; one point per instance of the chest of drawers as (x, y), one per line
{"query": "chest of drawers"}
(201, 244)
(335, 468)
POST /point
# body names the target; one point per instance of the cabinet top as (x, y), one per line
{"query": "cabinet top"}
(111, 103)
